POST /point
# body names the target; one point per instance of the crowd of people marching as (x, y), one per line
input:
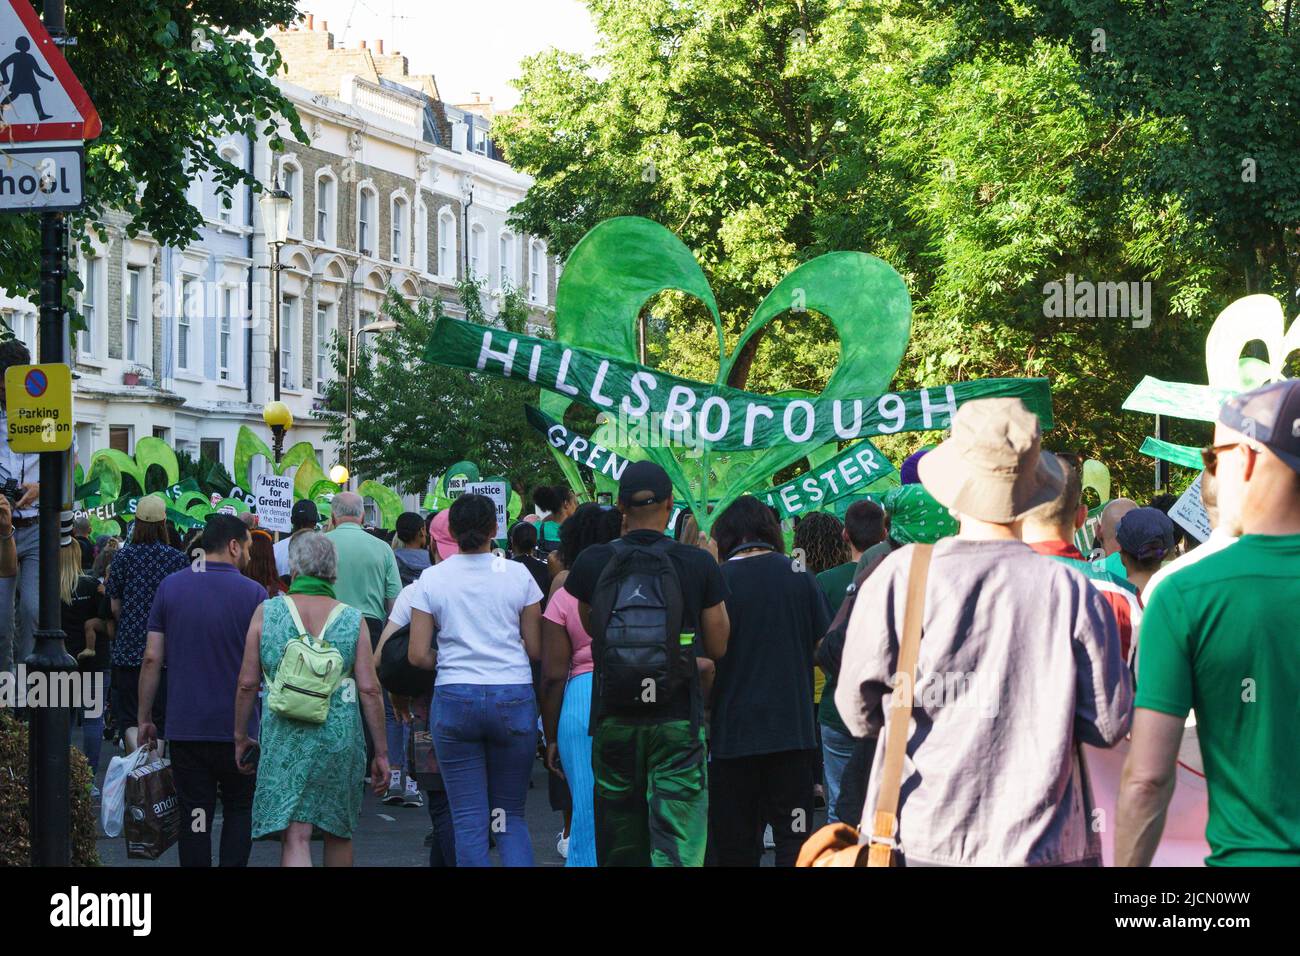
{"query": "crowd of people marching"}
(699, 698)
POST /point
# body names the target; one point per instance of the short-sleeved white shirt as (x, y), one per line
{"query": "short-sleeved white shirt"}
(401, 612)
(476, 600)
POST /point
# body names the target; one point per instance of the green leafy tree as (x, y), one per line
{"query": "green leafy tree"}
(982, 170)
(169, 79)
(413, 419)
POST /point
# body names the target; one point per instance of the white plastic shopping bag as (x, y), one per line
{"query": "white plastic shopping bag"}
(112, 808)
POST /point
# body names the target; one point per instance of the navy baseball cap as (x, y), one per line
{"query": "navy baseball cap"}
(1269, 414)
(1146, 533)
(640, 477)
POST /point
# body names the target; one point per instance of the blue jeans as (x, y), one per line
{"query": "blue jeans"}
(398, 735)
(837, 748)
(485, 736)
(92, 741)
(17, 628)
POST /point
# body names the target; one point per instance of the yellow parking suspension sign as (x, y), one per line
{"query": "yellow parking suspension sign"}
(38, 403)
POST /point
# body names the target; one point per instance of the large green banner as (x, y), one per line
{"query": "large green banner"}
(714, 416)
(123, 509)
(569, 443)
(852, 471)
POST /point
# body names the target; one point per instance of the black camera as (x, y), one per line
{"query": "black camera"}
(12, 490)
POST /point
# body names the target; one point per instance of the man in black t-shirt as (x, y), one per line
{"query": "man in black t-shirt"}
(651, 794)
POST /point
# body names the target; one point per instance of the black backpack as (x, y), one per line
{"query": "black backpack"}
(637, 613)
(396, 673)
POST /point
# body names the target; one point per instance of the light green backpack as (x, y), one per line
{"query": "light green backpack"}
(310, 670)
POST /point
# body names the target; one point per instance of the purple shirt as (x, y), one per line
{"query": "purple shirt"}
(204, 617)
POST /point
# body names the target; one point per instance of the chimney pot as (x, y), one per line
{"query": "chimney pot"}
(325, 25)
(363, 44)
(379, 44)
(311, 21)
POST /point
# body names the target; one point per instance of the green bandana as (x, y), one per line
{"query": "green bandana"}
(306, 584)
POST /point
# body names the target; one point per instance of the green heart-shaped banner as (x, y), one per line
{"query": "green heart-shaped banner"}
(608, 279)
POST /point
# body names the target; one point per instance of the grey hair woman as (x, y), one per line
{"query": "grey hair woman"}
(310, 773)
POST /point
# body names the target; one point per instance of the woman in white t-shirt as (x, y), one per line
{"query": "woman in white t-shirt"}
(488, 614)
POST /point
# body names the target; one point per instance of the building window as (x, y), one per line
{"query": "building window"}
(23, 325)
(119, 438)
(90, 305)
(447, 245)
(476, 240)
(226, 213)
(287, 308)
(506, 254)
(322, 346)
(325, 211)
(366, 222)
(291, 182)
(421, 237)
(536, 272)
(223, 334)
(131, 334)
(210, 448)
(397, 246)
(184, 322)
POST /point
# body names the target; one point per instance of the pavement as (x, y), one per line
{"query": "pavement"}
(385, 835)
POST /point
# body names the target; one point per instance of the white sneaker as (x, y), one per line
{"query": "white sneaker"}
(769, 842)
(412, 798)
(562, 845)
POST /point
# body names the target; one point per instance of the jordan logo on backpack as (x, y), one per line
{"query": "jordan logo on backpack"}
(636, 594)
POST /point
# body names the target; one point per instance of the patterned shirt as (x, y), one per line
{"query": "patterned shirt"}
(133, 578)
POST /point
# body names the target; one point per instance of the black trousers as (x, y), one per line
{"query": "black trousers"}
(747, 793)
(205, 771)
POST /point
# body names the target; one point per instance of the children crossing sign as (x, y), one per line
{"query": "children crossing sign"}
(38, 403)
(45, 117)
(42, 101)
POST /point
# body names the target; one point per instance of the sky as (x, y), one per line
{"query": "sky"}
(468, 45)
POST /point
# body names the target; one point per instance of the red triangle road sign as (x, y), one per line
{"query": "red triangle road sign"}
(40, 97)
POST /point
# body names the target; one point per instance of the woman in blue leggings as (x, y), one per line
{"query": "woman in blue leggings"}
(487, 612)
(566, 679)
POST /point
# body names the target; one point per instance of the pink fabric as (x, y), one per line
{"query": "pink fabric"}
(441, 531)
(562, 609)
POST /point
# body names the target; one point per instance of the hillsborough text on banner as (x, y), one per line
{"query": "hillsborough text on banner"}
(724, 418)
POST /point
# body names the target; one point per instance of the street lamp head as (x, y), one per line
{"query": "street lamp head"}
(380, 325)
(276, 206)
(339, 475)
(277, 415)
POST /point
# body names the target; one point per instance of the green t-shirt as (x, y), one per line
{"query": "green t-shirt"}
(1223, 636)
(834, 582)
(367, 575)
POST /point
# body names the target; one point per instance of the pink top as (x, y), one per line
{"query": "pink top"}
(562, 609)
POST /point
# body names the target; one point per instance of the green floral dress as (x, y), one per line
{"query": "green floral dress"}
(310, 773)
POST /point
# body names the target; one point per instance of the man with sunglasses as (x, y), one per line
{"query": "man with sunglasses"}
(1220, 637)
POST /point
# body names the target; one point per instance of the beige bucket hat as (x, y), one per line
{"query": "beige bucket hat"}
(992, 468)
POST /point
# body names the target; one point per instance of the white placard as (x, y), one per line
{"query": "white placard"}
(1189, 511)
(499, 492)
(274, 495)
